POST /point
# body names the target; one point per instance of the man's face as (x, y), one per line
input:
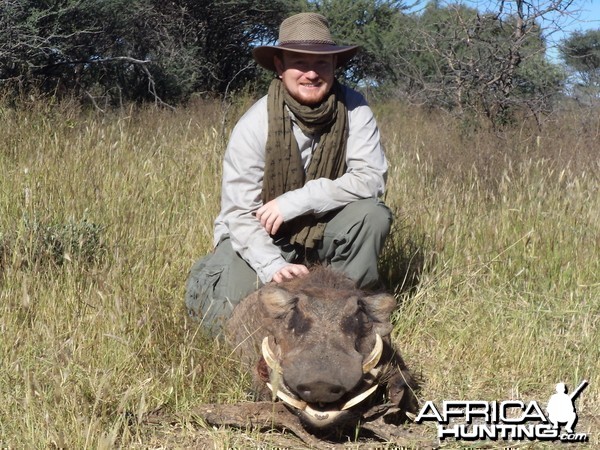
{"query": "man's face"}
(308, 78)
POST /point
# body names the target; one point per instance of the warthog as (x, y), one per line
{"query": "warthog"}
(323, 348)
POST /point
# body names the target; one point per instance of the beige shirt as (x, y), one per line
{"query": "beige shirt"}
(243, 170)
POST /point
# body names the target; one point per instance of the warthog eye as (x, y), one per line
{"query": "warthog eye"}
(298, 322)
(357, 324)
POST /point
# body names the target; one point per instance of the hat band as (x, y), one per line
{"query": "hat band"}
(306, 42)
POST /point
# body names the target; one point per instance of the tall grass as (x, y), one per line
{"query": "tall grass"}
(494, 257)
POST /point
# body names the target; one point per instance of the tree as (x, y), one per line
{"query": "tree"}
(122, 50)
(581, 53)
(486, 64)
(226, 32)
(113, 51)
(73, 46)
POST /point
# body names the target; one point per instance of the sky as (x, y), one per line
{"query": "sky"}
(589, 16)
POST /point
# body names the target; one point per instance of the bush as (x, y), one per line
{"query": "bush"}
(41, 245)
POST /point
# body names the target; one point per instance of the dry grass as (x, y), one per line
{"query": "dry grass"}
(101, 217)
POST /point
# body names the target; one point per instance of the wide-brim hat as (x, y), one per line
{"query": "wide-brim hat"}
(304, 33)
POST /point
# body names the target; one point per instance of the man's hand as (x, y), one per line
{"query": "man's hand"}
(290, 272)
(270, 216)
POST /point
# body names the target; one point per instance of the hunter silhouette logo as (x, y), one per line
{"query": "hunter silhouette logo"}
(561, 406)
(508, 420)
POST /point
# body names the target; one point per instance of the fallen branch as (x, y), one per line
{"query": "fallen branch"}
(265, 416)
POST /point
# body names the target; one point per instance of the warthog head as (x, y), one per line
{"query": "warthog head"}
(324, 346)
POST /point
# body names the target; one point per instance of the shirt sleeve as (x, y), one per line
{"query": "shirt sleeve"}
(243, 168)
(366, 168)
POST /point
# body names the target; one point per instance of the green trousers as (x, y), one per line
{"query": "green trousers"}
(353, 240)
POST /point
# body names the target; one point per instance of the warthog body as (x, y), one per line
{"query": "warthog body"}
(323, 347)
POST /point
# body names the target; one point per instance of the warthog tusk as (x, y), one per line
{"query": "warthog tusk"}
(269, 357)
(374, 356)
(359, 398)
(301, 405)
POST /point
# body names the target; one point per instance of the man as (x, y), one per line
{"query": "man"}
(302, 175)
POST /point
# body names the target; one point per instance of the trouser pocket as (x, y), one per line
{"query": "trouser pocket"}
(202, 297)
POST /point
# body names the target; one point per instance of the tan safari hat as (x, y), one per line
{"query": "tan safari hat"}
(304, 33)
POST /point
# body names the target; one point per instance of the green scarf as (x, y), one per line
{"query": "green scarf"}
(283, 165)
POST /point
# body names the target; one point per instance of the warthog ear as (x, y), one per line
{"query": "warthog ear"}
(276, 302)
(379, 308)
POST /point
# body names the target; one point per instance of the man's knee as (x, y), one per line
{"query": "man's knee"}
(217, 283)
(378, 217)
(373, 215)
(354, 239)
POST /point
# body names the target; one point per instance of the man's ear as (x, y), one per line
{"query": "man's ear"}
(278, 61)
